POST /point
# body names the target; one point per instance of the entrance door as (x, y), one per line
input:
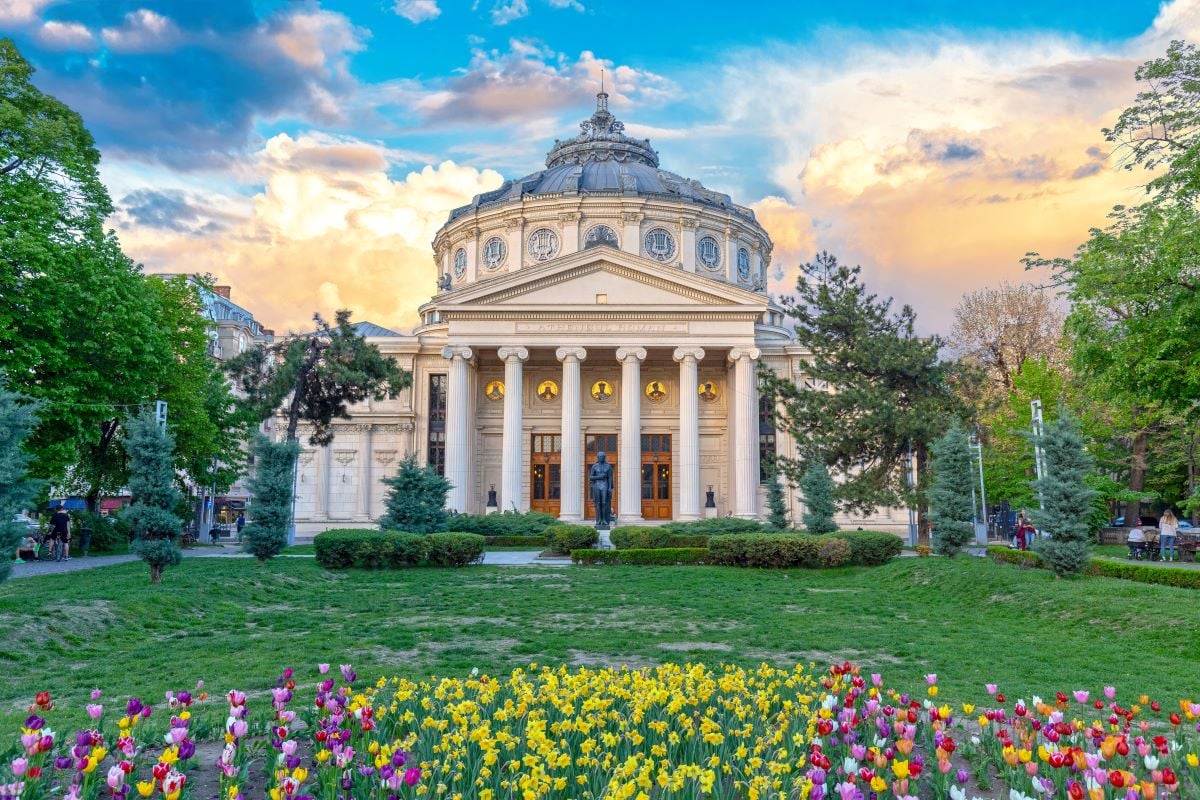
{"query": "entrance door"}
(545, 473)
(656, 476)
(596, 443)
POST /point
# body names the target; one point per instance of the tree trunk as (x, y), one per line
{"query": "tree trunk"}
(108, 430)
(155, 574)
(1191, 467)
(1137, 478)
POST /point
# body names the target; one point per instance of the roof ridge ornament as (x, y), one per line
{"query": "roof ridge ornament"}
(601, 138)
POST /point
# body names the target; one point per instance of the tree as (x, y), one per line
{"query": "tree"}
(271, 487)
(777, 513)
(817, 489)
(17, 489)
(152, 516)
(886, 389)
(950, 496)
(1066, 496)
(416, 499)
(1001, 329)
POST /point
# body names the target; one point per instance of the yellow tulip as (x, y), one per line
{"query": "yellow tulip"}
(878, 784)
(900, 769)
(145, 788)
(1193, 760)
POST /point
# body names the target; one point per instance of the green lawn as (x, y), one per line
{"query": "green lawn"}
(236, 624)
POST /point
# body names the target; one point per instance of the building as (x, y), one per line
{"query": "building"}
(601, 304)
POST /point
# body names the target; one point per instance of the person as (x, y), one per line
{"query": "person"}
(1024, 529)
(1136, 541)
(708, 391)
(1168, 533)
(241, 523)
(27, 550)
(601, 391)
(657, 392)
(60, 530)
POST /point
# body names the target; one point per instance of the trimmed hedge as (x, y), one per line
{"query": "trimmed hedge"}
(631, 537)
(532, 523)
(533, 542)
(663, 556)
(717, 526)
(785, 550)
(454, 549)
(566, 538)
(871, 548)
(368, 549)
(1141, 573)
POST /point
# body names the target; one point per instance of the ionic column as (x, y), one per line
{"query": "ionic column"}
(326, 482)
(689, 432)
(571, 502)
(457, 426)
(745, 459)
(731, 248)
(366, 473)
(511, 444)
(630, 444)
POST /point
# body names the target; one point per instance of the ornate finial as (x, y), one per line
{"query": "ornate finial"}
(602, 97)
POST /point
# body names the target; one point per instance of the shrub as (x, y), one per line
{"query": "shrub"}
(416, 499)
(634, 537)
(565, 538)
(151, 452)
(1064, 491)
(532, 523)
(834, 552)
(871, 548)
(17, 420)
(766, 550)
(107, 532)
(271, 486)
(1142, 573)
(367, 549)
(455, 549)
(951, 501)
(817, 488)
(516, 541)
(664, 556)
(717, 526)
(777, 505)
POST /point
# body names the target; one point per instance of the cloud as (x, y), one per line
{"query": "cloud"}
(55, 35)
(417, 11)
(571, 4)
(142, 31)
(174, 210)
(21, 11)
(506, 11)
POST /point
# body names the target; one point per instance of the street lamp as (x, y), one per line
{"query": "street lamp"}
(1039, 455)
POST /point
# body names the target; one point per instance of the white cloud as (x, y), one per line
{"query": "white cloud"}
(143, 31)
(22, 11)
(56, 35)
(572, 4)
(506, 11)
(417, 11)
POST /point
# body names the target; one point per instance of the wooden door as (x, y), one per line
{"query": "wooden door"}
(545, 473)
(596, 443)
(656, 476)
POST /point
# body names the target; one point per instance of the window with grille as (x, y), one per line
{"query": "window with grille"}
(766, 437)
(436, 451)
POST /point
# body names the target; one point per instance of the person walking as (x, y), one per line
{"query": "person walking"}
(241, 523)
(1024, 531)
(60, 529)
(1168, 533)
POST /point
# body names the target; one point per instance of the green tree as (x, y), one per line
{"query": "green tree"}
(777, 505)
(17, 489)
(817, 489)
(950, 499)
(152, 517)
(1066, 496)
(271, 487)
(416, 499)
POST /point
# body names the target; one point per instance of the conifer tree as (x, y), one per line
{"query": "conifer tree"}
(777, 516)
(950, 503)
(817, 488)
(1066, 498)
(17, 419)
(416, 499)
(271, 487)
(152, 517)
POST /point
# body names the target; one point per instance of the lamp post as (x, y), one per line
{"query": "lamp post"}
(976, 447)
(1039, 455)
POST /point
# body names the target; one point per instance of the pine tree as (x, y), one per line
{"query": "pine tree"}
(1066, 498)
(951, 506)
(152, 517)
(416, 499)
(271, 487)
(17, 419)
(777, 515)
(817, 488)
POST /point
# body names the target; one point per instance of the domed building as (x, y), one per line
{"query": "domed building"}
(602, 304)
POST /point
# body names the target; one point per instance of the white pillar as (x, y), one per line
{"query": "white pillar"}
(512, 443)
(365, 473)
(326, 481)
(570, 507)
(570, 233)
(516, 244)
(745, 459)
(630, 444)
(631, 236)
(457, 426)
(689, 432)
(687, 245)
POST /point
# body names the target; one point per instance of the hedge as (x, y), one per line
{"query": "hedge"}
(870, 548)
(1141, 573)
(454, 549)
(630, 537)
(781, 550)
(532, 542)
(566, 538)
(716, 526)
(368, 549)
(662, 556)
(532, 523)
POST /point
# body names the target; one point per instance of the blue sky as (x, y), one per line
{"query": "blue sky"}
(325, 140)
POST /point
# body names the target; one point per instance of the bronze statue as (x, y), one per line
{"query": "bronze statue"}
(600, 480)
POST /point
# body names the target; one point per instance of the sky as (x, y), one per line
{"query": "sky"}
(307, 151)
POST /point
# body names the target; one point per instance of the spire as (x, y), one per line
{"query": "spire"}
(602, 97)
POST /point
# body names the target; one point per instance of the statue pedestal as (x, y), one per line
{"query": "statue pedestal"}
(605, 543)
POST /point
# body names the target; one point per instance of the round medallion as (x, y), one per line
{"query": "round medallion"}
(708, 253)
(660, 244)
(600, 235)
(547, 390)
(494, 252)
(656, 391)
(543, 244)
(494, 390)
(743, 264)
(708, 391)
(602, 391)
(460, 263)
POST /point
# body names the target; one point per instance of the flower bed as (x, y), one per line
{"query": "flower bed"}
(679, 731)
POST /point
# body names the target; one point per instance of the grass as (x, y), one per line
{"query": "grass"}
(237, 624)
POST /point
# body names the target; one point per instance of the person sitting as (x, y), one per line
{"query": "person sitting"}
(27, 550)
(1136, 542)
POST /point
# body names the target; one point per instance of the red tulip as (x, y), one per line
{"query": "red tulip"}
(1075, 790)
(1123, 748)
(1155, 706)
(1116, 778)
(1175, 719)
(1168, 777)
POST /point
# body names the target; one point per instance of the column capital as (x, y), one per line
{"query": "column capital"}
(511, 352)
(626, 353)
(683, 353)
(563, 353)
(457, 351)
(738, 353)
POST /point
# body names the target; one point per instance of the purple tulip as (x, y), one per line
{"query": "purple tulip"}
(348, 674)
(386, 772)
(63, 762)
(366, 770)
(133, 707)
(188, 749)
(962, 776)
(291, 761)
(146, 712)
(398, 758)
(412, 776)
(184, 697)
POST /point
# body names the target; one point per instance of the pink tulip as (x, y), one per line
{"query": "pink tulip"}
(412, 775)
(1081, 696)
(239, 728)
(95, 694)
(94, 711)
(289, 747)
(18, 767)
(931, 678)
(876, 679)
(1110, 692)
(991, 688)
(1194, 708)
(199, 684)
(116, 777)
(322, 668)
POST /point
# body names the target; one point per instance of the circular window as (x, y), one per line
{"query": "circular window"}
(460, 263)
(602, 391)
(656, 391)
(743, 264)
(708, 252)
(543, 244)
(547, 390)
(708, 391)
(660, 244)
(600, 235)
(494, 252)
(494, 390)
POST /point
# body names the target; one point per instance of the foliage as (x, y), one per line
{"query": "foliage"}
(639, 537)
(1003, 329)
(834, 552)
(455, 549)
(716, 526)
(1066, 498)
(1102, 567)
(17, 418)
(508, 523)
(108, 533)
(318, 376)
(532, 542)
(367, 549)
(565, 538)
(871, 548)
(271, 486)
(416, 499)
(777, 505)
(817, 489)
(770, 550)
(151, 518)
(950, 499)
(658, 556)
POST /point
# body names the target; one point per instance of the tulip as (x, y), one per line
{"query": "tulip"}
(348, 674)
(322, 668)
(94, 711)
(412, 776)
(115, 778)
(1110, 692)
(145, 788)
(18, 767)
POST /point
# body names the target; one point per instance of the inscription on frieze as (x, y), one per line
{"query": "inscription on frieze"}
(602, 327)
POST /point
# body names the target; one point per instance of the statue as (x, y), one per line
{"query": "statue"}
(600, 481)
(444, 284)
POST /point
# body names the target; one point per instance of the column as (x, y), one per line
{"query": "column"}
(631, 236)
(745, 412)
(687, 244)
(731, 248)
(516, 245)
(630, 444)
(457, 427)
(472, 247)
(570, 233)
(513, 440)
(366, 476)
(571, 502)
(326, 482)
(689, 432)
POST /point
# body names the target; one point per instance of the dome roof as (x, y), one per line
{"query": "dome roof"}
(603, 160)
